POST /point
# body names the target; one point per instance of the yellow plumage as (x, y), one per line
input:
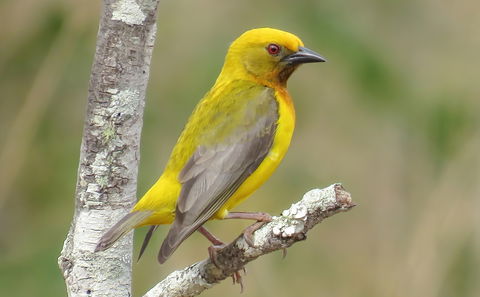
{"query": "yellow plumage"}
(232, 143)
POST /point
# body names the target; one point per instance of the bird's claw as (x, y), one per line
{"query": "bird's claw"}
(248, 232)
(236, 276)
(212, 253)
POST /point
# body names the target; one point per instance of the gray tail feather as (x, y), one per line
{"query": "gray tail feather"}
(121, 228)
(148, 236)
(176, 235)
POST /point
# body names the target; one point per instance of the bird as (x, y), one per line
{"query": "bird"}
(233, 141)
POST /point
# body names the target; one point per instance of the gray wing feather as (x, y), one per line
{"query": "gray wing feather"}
(214, 173)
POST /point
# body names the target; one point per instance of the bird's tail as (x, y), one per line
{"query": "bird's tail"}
(121, 228)
(176, 235)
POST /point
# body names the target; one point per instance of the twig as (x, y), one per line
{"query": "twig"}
(279, 234)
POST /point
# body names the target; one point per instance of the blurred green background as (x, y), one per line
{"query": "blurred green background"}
(393, 115)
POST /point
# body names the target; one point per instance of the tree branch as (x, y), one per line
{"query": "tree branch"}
(281, 233)
(107, 174)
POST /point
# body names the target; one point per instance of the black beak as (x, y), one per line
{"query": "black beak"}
(304, 55)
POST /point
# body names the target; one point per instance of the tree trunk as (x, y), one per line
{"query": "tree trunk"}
(109, 156)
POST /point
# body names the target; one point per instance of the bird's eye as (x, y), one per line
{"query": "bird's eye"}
(273, 49)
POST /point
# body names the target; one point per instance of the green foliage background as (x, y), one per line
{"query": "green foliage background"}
(393, 115)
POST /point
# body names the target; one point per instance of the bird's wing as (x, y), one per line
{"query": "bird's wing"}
(215, 172)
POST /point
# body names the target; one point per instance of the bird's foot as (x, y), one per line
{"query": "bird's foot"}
(217, 245)
(212, 253)
(248, 232)
(260, 217)
(236, 276)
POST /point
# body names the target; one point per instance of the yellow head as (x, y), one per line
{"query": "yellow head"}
(266, 55)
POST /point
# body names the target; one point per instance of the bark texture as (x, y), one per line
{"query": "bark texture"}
(281, 233)
(109, 156)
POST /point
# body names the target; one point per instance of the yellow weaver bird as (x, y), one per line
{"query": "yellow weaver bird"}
(232, 143)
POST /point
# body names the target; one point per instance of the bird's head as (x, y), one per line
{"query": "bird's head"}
(266, 55)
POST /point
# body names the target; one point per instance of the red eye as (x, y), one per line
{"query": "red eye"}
(273, 49)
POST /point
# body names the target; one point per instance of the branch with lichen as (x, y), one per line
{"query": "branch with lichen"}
(279, 234)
